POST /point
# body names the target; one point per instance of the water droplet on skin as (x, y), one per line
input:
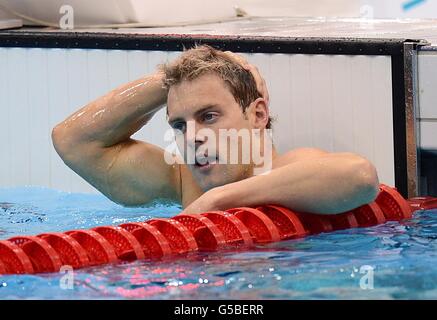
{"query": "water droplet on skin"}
(100, 112)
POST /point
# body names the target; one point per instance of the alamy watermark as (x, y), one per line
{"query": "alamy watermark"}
(67, 280)
(366, 15)
(230, 146)
(66, 22)
(366, 281)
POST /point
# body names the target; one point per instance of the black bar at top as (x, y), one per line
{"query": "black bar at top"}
(261, 44)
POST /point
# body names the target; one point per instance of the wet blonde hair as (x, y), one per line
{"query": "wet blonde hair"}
(204, 59)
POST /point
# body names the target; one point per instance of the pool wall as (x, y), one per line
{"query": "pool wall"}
(335, 94)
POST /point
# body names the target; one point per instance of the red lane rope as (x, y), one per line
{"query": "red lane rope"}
(369, 215)
(392, 204)
(315, 223)
(98, 249)
(422, 203)
(14, 259)
(260, 226)
(69, 250)
(153, 242)
(235, 232)
(287, 222)
(2, 268)
(342, 221)
(42, 255)
(181, 240)
(208, 231)
(208, 236)
(126, 246)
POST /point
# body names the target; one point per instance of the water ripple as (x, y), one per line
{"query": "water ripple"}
(327, 266)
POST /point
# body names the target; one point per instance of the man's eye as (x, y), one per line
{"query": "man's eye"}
(179, 126)
(210, 116)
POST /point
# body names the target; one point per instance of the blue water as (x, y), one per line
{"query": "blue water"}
(327, 266)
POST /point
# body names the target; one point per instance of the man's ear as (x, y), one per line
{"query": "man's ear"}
(258, 112)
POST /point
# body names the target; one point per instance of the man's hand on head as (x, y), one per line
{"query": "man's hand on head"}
(260, 82)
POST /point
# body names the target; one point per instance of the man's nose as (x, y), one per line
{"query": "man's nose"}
(195, 142)
(194, 136)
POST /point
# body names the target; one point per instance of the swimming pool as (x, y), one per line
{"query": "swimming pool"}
(402, 257)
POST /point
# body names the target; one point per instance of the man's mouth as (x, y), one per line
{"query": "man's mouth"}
(204, 162)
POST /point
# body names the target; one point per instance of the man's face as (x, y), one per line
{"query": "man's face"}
(201, 106)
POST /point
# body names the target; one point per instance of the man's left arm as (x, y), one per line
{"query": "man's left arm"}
(326, 184)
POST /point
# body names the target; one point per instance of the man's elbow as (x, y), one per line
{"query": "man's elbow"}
(367, 182)
(58, 139)
(65, 146)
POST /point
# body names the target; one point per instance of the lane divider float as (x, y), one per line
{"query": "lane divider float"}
(159, 238)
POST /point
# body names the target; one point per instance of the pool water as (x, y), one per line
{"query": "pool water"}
(390, 261)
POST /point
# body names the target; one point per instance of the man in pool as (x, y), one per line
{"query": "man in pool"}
(205, 90)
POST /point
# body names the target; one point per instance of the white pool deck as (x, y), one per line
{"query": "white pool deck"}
(288, 27)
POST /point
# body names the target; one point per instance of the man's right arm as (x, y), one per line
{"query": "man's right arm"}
(96, 143)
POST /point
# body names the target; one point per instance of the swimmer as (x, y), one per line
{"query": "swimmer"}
(205, 91)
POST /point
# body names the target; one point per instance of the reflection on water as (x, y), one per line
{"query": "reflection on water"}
(327, 266)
